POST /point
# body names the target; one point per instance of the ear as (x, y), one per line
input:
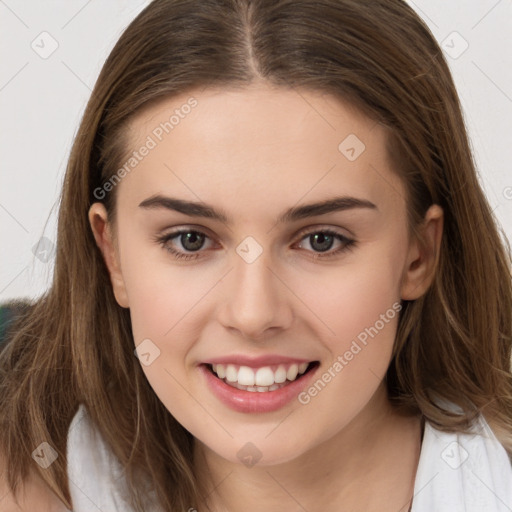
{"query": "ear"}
(422, 258)
(102, 230)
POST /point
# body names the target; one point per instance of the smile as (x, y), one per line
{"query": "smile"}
(266, 378)
(257, 389)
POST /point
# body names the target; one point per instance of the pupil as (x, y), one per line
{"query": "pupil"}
(322, 238)
(194, 238)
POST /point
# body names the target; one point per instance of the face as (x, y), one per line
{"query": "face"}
(261, 246)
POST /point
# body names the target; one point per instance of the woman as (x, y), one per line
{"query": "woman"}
(278, 281)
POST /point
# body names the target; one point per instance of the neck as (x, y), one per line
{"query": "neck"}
(369, 465)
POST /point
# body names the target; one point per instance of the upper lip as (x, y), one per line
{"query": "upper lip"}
(256, 362)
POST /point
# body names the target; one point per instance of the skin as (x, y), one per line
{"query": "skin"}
(33, 494)
(253, 153)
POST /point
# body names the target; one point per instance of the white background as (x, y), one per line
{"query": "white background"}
(42, 101)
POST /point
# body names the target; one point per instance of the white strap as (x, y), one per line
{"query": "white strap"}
(96, 479)
(463, 472)
(456, 472)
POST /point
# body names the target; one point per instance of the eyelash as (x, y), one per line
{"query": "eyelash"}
(165, 239)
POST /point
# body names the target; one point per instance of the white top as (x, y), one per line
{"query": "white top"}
(456, 472)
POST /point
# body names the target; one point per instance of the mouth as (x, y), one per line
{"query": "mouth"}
(260, 380)
(257, 390)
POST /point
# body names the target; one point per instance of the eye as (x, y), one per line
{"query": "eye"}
(190, 240)
(320, 240)
(323, 239)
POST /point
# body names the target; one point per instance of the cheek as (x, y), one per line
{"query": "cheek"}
(167, 316)
(164, 305)
(358, 310)
(161, 293)
(352, 296)
(360, 305)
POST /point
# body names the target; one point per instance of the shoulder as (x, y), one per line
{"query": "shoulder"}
(455, 468)
(92, 467)
(34, 494)
(95, 471)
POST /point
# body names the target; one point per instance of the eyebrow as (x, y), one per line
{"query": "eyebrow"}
(195, 209)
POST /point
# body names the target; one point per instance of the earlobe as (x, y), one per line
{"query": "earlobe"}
(423, 257)
(102, 231)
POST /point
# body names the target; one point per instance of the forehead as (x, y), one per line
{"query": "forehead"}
(258, 145)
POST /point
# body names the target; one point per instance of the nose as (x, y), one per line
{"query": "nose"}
(257, 304)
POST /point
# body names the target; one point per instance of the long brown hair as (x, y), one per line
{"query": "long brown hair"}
(75, 344)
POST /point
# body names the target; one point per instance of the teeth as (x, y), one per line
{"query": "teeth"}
(245, 376)
(220, 370)
(231, 373)
(264, 376)
(292, 372)
(280, 375)
(260, 379)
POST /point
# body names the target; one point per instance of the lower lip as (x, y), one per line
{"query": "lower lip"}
(255, 401)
